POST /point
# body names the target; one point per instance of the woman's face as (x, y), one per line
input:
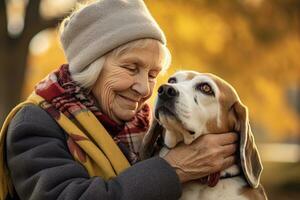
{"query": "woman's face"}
(127, 81)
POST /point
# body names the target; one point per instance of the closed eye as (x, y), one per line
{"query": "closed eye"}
(153, 75)
(131, 67)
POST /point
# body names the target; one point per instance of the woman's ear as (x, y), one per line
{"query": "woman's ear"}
(148, 146)
(249, 156)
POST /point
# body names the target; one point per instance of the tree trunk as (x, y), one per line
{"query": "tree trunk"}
(14, 52)
(13, 56)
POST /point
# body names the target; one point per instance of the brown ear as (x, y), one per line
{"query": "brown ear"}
(250, 159)
(149, 144)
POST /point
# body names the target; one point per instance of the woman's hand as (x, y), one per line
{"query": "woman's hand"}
(208, 154)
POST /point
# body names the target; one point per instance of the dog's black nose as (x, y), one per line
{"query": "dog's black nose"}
(167, 92)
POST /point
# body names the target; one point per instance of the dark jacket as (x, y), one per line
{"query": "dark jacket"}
(41, 167)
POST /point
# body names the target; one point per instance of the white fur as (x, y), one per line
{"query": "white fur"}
(194, 116)
(226, 189)
(233, 170)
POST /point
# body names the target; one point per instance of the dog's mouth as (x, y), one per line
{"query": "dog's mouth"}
(164, 110)
(168, 112)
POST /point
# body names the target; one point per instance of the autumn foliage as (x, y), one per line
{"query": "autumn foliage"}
(254, 45)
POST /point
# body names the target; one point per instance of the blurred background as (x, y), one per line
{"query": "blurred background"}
(253, 44)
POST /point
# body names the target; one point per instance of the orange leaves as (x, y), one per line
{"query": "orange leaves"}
(256, 48)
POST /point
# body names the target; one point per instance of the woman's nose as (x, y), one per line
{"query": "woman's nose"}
(141, 85)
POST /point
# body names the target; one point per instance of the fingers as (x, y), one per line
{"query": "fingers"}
(227, 138)
(229, 161)
(229, 150)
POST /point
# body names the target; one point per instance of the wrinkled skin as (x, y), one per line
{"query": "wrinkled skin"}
(126, 81)
(206, 155)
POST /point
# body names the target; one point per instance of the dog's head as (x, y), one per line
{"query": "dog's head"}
(192, 104)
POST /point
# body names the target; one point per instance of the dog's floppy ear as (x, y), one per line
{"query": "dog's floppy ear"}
(149, 144)
(249, 156)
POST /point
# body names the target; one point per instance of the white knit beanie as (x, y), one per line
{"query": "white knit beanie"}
(103, 26)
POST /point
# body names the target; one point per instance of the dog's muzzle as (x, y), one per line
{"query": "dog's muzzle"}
(167, 92)
(167, 95)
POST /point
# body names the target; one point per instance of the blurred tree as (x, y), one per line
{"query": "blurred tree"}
(14, 51)
(253, 44)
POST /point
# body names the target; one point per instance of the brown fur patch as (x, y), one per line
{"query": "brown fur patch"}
(190, 75)
(251, 193)
(226, 98)
(212, 126)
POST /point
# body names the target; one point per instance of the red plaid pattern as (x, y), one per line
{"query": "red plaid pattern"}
(66, 96)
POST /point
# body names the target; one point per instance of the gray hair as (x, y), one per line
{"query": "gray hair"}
(87, 77)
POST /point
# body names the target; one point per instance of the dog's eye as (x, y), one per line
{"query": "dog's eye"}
(172, 80)
(205, 88)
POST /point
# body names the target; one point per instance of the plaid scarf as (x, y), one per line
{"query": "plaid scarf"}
(102, 146)
(66, 96)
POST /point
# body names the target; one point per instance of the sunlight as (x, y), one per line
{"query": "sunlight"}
(48, 9)
(254, 3)
(15, 16)
(40, 43)
(54, 8)
(280, 152)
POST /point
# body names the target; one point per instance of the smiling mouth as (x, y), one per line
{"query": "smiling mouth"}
(128, 99)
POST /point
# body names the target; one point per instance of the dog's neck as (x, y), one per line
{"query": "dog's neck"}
(230, 172)
(165, 148)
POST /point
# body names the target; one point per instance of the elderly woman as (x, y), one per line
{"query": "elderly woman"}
(77, 136)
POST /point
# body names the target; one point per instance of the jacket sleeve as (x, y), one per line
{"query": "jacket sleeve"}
(41, 167)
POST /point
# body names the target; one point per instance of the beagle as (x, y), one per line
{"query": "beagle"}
(192, 104)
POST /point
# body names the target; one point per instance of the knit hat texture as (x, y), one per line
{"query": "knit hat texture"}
(103, 26)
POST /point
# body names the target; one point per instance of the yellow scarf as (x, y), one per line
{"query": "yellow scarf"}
(102, 157)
